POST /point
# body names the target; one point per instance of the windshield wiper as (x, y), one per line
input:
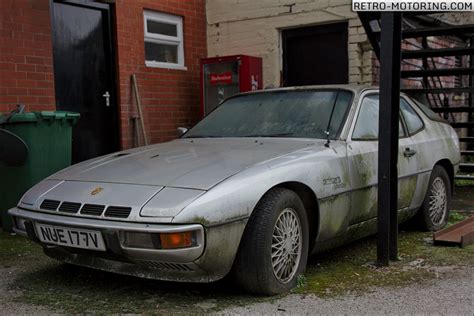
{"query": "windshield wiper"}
(202, 136)
(269, 135)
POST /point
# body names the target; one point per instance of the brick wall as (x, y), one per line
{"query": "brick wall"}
(253, 28)
(26, 71)
(169, 97)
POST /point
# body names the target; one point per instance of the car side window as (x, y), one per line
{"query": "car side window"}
(367, 125)
(412, 119)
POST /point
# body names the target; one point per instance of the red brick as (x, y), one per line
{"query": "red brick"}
(38, 92)
(26, 83)
(27, 99)
(8, 99)
(25, 67)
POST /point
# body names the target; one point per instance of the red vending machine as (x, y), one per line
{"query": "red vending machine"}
(222, 77)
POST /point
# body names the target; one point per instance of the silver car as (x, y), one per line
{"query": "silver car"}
(262, 182)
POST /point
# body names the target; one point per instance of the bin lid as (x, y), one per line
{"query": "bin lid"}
(19, 118)
(36, 116)
(73, 117)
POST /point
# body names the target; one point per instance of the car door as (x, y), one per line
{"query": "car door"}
(362, 149)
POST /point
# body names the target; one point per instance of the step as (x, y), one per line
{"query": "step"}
(464, 177)
(439, 90)
(459, 30)
(463, 125)
(466, 167)
(466, 139)
(437, 72)
(437, 52)
(461, 234)
(453, 109)
(467, 152)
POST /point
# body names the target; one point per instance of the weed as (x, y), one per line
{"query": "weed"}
(300, 281)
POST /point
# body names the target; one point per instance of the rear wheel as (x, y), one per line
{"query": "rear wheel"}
(274, 248)
(434, 213)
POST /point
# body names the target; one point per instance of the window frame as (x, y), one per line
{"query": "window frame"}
(407, 131)
(177, 40)
(356, 117)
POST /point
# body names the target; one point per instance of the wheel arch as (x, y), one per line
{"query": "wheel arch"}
(448, 166)
(310, 202)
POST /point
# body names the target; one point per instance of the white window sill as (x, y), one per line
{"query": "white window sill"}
(155, 64)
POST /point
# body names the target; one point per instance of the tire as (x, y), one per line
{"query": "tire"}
(253, 267)
(434, 212)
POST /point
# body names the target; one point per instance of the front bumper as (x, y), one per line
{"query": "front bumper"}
(165, 264)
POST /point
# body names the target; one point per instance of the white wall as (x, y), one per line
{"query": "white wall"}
(253, 28)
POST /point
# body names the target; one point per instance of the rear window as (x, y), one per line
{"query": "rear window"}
(428, 112)
(413, 121)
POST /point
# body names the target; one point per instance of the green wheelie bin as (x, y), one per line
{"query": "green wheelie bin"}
(46, 137)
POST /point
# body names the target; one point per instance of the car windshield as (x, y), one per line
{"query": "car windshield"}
(302, 114)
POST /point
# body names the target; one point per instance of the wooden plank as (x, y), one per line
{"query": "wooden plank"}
(454, 234)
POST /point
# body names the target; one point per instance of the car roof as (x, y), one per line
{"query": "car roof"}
(357, 89)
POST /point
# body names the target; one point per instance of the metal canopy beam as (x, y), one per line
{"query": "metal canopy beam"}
(390, 60)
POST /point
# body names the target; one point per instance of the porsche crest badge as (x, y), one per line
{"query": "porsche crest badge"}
(96, 191)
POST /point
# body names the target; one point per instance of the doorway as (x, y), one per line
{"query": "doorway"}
(84, 72)
(315, 55)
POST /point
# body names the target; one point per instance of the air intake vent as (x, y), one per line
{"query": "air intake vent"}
(50, 205)
(118, 211)
(166, 265)
(69, 207)
(92, 209)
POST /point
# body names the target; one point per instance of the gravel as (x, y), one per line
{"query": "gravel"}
(8, 305)
(451, 295)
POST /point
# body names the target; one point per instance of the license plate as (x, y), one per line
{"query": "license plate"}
(70, 237)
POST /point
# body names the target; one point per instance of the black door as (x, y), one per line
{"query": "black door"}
(315, 55)
(84, 74)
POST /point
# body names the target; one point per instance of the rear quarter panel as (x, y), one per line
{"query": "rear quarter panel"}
(436, 142)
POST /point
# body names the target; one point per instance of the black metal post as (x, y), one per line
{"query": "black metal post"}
(390, 60)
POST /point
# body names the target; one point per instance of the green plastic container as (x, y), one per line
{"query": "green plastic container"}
(48, 135)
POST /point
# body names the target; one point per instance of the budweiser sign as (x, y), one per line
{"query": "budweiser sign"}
(222, 78)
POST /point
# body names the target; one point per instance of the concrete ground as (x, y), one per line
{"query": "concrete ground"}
(451, 294)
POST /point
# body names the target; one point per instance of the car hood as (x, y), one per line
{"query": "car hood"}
(186, 163)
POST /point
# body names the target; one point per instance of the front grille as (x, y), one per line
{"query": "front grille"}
(92, 209)
(118, 211)
(50, 205)
(166, 265)
(69, 207)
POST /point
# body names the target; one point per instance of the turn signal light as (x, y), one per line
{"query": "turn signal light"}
(176, 240)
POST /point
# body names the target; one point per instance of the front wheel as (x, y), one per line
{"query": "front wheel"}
(434, 213)
(274, 248)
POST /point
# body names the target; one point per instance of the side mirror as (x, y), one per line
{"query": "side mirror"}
(180, 131)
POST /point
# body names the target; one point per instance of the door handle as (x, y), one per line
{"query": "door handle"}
(106, 95)
(409, 152)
